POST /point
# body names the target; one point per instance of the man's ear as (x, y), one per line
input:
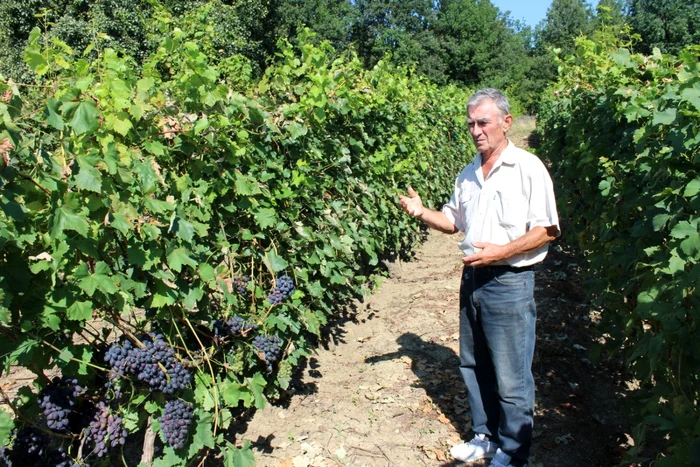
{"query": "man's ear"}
(507, 122)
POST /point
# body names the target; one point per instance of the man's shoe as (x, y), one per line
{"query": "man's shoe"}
(478, 448)
(501, 459)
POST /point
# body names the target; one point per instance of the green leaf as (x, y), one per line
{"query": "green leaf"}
(692, 188)
(257, 384)
(163, 296)
(266, 217)
(100, 279)
(51, 114)
(203, 435)
(691, 245)
(206, 272)
(275, 262)
(245, 185)
(36, 61)
(170, 459)
(79, 311)
(692, 95)
(233, 393)
(683, 229)
(183, 229)
(6, 426)
(119, 123)
(85, 118)
(178, 257)
(666, 117)
(659, 221)
(235, 457)
(296, 130)
(88, 178)
(65, 218)
(155, 147)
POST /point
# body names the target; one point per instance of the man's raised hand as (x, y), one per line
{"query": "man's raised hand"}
(411, 204)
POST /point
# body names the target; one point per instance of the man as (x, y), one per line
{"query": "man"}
(504, 204)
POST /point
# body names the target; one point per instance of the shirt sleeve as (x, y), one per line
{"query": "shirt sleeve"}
(542, 204)
(452, 208)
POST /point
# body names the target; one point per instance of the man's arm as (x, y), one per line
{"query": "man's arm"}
(491, 253)
(413, 205)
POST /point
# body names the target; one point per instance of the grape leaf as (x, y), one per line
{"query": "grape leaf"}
(178, 257)
(79, 311)
(85, 118)
(100, 279)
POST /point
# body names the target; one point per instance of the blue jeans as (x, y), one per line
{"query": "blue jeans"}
(497, 343)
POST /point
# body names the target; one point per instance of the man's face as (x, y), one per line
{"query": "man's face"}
(487, 127)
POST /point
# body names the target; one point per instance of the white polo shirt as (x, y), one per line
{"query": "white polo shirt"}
(516, 196)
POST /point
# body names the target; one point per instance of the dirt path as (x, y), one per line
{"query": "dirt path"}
(386, 389)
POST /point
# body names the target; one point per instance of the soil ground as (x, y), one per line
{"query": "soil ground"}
(385, 389)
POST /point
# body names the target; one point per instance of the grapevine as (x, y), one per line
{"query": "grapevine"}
(144, 188)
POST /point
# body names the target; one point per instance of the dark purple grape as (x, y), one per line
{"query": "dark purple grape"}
(105, 430)
(282, 290)
(234, 326)
(270, 347)
(57, 401)
(175, 422)
(156, 364)
(241, 284)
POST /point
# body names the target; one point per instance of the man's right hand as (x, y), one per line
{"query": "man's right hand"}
(411, 204)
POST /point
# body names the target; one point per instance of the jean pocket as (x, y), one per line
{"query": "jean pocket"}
(512, 279)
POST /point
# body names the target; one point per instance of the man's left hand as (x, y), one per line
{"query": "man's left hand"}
(489, 253)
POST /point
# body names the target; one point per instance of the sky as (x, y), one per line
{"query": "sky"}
(530, 11)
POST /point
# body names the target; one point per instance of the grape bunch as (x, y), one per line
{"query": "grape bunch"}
(29, 448)
(57, 401)
(241, 284)
(283, 290)
(234, 326)
(156, 364)
(176, 421)
(270, 347)
(105, 430)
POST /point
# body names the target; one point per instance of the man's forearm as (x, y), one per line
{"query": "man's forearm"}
(532, 240)
(438, 220)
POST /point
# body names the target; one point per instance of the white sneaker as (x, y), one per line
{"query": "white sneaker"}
(501, 459)
(478, 448)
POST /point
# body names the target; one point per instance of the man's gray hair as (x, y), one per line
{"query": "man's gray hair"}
(492, 94)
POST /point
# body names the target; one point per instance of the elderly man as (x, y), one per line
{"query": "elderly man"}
(504, 204)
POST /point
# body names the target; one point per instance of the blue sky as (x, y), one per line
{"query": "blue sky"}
(530, 11)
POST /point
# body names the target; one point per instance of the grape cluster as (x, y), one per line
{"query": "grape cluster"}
(57, 401)
(155, 364)
(271, 348)
(105, 430)
(241, 284)
(283, 289)
(176, 421)
(29, 448)
(234, 326)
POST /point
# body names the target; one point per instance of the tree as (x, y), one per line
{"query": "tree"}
(565, 21)
(669, 25)
(404, 29)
